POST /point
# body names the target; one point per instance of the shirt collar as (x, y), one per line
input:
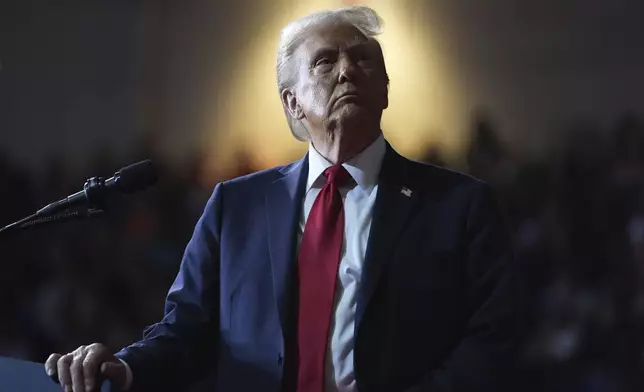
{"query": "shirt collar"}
(364, 167)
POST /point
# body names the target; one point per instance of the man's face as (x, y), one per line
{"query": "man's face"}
(341, 82)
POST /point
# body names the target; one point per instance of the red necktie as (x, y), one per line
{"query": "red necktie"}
(318, 262)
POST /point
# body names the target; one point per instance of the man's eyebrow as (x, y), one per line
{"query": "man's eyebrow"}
(325, 50)
(322, 50)
(359, 47)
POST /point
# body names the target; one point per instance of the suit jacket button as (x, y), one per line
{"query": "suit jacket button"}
(280, 359)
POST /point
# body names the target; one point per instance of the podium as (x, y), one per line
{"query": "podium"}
(23, 376)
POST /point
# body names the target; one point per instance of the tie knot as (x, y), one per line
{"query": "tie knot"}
(337, 175)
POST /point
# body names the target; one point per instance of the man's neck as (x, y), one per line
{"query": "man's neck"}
(338, 150)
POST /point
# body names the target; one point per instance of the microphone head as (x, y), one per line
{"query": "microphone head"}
(136, 177)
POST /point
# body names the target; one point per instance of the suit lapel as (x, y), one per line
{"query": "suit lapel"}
(394, 203)
(283, 203)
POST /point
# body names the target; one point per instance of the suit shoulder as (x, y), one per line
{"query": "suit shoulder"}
(260, 178)
(430, 175)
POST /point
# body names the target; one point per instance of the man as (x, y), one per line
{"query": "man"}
(353, 269)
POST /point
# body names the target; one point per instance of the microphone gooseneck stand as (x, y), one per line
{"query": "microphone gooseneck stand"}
(94, 190)
(91, 201)
(37, 220)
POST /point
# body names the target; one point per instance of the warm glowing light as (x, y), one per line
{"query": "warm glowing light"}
(423, 99)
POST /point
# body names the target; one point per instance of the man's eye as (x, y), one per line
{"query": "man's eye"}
(323, 61)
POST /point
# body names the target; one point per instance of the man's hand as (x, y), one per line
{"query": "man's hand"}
(81, 370)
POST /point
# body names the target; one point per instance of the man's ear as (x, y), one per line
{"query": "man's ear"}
(290, 102)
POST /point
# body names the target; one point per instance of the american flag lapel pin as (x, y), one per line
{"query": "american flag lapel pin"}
(406, 191)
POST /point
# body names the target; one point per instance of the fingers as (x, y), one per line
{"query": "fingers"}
(111, 370)
(78, 370)
(64, 374)
(51, 365)
(91, 364)
(78, 379)
(115, 372)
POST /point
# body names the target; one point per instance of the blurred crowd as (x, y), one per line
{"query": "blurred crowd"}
(578, 218)
(577, 213)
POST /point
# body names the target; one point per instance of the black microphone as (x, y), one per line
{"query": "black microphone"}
(130, 179)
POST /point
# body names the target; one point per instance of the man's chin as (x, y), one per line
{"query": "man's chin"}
(354, 117)
(351, 111)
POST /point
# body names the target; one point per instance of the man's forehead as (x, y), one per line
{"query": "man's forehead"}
(336, 36)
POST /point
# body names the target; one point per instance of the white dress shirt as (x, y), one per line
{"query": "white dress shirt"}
(359, 198)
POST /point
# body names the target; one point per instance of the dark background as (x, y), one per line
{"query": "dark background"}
(554, 101)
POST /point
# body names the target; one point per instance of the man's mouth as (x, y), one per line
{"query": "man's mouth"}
(347, 98)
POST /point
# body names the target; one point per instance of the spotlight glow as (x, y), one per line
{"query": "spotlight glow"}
(423, 98)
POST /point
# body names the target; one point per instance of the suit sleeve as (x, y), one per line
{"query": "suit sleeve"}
(183, 345)
(486, 357)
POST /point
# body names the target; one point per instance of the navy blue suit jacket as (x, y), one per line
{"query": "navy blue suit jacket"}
(437, 307)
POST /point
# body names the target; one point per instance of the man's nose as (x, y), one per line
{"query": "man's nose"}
(347, 71)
